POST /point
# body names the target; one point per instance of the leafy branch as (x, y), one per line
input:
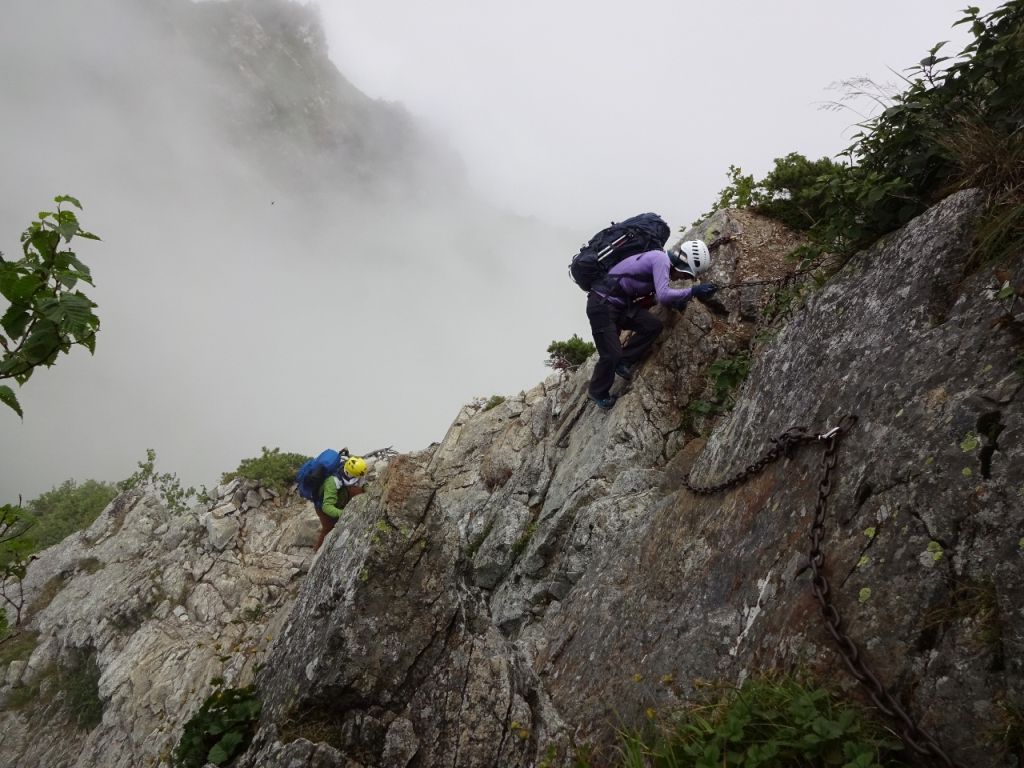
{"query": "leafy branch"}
(46, 315)
(14, 556)
(165, 484)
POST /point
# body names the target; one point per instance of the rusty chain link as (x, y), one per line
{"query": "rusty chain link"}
(910, 732)
(783, 445)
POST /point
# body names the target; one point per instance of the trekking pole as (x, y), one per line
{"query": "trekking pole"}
(607, 250)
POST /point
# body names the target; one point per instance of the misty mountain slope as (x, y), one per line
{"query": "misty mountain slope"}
(254, 206)
(540, 577)
(283, 97)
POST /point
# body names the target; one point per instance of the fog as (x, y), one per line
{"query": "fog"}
(241, 308)
(580, 110)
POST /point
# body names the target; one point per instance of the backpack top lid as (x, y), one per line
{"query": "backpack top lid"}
(646, 229)
(637, 234)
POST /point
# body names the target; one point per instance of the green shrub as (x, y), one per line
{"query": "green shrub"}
(957, 124)
(15, 548)
(493, 402)
(65, 509)
(71, 692)
(166, 485)
(42, 523)
(569, 355)
(790, 193)
(221, 729)
(523, 541)
(766, 723)
(724, 377)
(81, 689)
(271, 469)
(739, 193)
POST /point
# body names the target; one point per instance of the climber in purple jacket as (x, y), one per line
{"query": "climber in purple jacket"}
(617, 302)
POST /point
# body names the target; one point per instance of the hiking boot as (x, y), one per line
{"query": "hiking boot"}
(604, 403)
(625, 371)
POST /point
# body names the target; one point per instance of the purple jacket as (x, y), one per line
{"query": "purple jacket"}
(642, 275)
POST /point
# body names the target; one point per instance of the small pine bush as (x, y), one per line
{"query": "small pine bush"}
(569, 355)
(271, 469)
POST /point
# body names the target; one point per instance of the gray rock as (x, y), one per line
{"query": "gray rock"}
(14, 672)
(526, 586)
(221, 531)
(161, 619)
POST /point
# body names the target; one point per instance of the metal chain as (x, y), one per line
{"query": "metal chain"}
(790, 278)
(783, 445)
(910, 732)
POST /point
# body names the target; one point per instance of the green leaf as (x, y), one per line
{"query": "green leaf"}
(225, 749)
(7, 398)
(15, 321)
(10, 274)
(45, 242)
(231, 740)
(77, 308)
(68, 199)
(80, 268)
(43, 344)
(20, 288)
(67, 225)
(217, 755)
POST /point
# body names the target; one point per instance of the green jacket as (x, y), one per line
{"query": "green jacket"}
(334, 498)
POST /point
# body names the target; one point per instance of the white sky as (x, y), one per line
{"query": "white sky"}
(573, 112)
(581, 110)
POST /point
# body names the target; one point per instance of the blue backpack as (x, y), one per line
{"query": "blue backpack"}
(311, 475)
(644, 232)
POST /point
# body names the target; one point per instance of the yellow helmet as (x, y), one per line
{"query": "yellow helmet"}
(355, 466)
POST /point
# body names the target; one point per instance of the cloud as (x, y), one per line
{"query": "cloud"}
(242, 306)
(248, 297)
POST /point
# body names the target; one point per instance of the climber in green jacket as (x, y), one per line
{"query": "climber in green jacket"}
(337, 490)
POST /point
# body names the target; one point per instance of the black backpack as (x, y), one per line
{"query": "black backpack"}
(645, 232)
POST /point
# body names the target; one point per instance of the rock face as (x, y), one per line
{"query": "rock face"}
(139, 613)
(283, 99)
(542, 577)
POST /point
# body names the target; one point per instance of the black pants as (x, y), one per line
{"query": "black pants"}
(606, 321)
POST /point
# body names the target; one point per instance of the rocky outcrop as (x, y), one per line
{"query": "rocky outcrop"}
(542, 576)
(135, 616)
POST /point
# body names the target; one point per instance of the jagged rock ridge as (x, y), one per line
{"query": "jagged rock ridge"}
(157, 604)
(540, 576)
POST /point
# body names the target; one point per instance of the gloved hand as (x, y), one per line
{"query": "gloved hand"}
(704, 290)
(680, 304)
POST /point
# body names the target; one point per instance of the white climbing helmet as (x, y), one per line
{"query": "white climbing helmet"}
(692, 257)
